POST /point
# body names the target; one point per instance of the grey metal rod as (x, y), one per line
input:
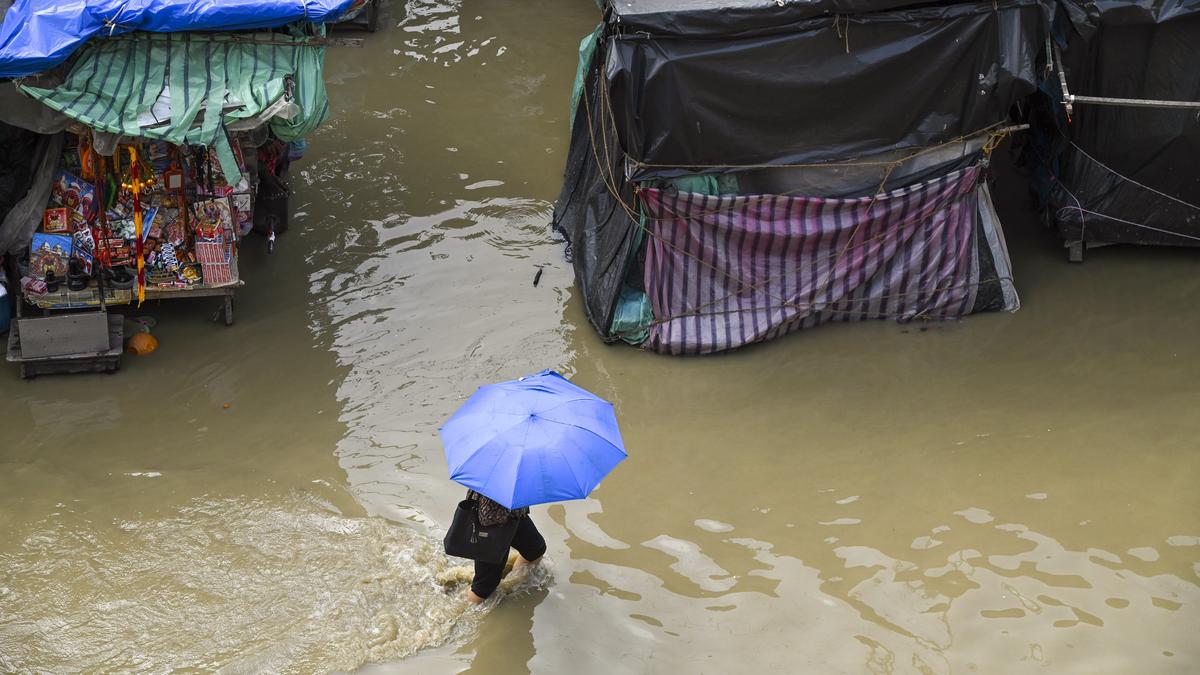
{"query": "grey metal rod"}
(1062, 78)
(1135, 102)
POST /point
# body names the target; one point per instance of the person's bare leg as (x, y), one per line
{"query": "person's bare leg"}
(522, 563)
(472, 598)
(511, 563)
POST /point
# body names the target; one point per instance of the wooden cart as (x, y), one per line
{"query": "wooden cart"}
(107, 361)
(225, 291)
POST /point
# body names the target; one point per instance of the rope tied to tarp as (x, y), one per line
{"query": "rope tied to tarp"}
(1127, 179)
(757, 285)
(997, 132)
(1078, 208)
(844, 34)
(112, 24)
(1083, 212)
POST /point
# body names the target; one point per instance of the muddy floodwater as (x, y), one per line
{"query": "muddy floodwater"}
(1005, 494)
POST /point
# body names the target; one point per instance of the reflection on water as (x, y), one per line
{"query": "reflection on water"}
(425, 233)
(967, 595)
(883, 499)
(1004, 494)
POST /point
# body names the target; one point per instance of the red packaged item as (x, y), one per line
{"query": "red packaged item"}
(56, 220)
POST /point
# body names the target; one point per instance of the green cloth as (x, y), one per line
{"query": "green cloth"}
(631, 321)
(115, 81)
(723, 184)
(587, 51)
(633, 315)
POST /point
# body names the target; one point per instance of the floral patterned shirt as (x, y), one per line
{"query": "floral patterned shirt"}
(493, 513)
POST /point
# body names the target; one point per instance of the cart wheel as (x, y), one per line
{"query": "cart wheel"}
(1075, 251)
(25, 373)
(229, 310)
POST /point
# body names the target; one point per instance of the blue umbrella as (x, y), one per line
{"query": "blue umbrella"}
(534, 440)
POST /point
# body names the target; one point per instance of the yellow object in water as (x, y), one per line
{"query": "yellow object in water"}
(141, 344)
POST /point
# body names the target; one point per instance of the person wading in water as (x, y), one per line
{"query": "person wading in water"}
(527, 540)
(533, 440)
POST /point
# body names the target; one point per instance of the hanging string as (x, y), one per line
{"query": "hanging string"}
(112, 23)
(850, 302)
(1083, 221)
(743, 285)
(838, 27)
(1083, 212)
(1127, 179)
(994, 130)
(997, 133)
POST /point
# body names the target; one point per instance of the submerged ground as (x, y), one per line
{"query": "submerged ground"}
(1009, 493)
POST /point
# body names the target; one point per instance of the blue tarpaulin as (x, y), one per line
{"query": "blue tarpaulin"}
(38, 35)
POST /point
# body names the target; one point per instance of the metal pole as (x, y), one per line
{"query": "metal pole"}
(1062, 81)
(1069, 100)
(99, 184)
(1135, 102)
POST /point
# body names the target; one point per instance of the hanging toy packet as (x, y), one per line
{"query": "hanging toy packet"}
(213, 220)
(75, 194)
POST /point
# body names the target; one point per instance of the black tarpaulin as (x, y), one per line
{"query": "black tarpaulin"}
(1121, 174)
(698, 18)
(769, 91)
(591, 209)
(26, 168)
(15, 175)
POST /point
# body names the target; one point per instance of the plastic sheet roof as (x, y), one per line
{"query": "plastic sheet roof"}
(188, 89)
(38, 35)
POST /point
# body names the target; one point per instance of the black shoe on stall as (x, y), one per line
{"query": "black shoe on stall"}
(119, 277)
(77, 280)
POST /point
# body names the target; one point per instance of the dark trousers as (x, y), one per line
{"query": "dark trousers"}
(528, 542)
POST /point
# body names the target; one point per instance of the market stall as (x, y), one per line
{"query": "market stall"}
(154, 221)
(165, 135)
(714, 199)
(157, 185)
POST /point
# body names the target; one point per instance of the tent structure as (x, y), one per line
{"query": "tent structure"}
(741, 169)
(164, 70)
(162, 132)
(190, 88)
(1117, 131)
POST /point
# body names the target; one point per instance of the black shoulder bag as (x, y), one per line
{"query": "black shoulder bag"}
(467, 538)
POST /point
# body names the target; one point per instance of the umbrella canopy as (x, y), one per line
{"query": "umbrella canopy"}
(533, 440)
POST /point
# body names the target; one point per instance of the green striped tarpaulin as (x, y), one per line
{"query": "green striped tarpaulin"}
(207, 80)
